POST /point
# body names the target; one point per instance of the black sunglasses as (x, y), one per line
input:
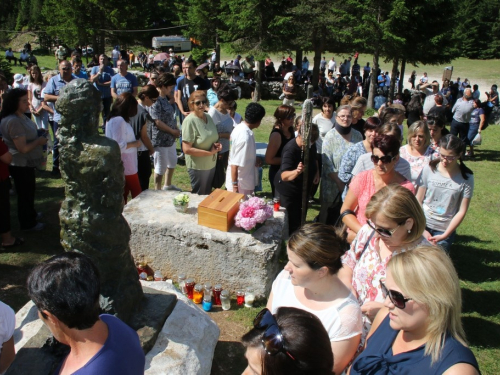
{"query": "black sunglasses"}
(386, 159)
(382, 231)
(272, 339)
(396, 298)
(198, 102)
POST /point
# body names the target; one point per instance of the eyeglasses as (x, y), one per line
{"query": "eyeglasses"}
(344, 116)
(291, 117)
(199, 102)
(386, 159)
(396, 298)
(448, 158)
(272, 339)
(383, 231)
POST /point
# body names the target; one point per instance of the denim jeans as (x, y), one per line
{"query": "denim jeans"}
(447, 242)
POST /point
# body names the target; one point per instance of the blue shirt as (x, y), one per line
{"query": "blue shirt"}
(124, 84)
(104, 77)
(83, 74)
(378, 359)
(53, 87)
(121, 354)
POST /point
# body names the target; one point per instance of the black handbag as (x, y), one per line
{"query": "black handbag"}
(220, 174)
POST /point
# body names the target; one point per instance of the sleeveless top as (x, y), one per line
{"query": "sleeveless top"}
(377, 358)
(341, 321)
(284, 141)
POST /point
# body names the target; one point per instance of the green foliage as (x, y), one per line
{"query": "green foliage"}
(5, 69)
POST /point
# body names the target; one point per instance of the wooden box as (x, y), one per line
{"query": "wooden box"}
(218, 210)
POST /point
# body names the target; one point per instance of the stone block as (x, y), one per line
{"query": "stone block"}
(187, 341)
(174, 243)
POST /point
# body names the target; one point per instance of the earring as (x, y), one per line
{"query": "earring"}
(409, 231)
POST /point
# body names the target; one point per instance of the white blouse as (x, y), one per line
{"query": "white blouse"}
(121, 131)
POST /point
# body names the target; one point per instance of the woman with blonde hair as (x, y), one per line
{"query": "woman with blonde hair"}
(396, 223)
(310, 282)
(418, 151)
(358, 108)
(419, 330)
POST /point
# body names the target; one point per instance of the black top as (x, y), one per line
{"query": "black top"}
(359, 127)
(187, 87)
(290, 159)
(284, 141)
(438, 112)
(414, 115)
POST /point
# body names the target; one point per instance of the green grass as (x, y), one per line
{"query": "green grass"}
(475, 253)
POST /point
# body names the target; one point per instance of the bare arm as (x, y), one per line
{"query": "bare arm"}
(270, 302)
(343, 351)
(482, 122)
(292, 175)
(350, 203)
(137, 143)
(193, 151)
(177, 96)
(7, 355)
(167, 129)
(234, 177)
(50, 98)
(113, 93)
(345, 275)
(461, 369)
(6, 158)
(272, 150)
(24, 147)
(146, 141)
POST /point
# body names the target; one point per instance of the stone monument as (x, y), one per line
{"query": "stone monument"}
(91, 215)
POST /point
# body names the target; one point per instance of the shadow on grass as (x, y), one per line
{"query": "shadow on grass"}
(473, 263)
(484, 302)
(481, 332)
(485, 155)
(229, 358)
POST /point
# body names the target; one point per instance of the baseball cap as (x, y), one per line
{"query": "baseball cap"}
(18, 77)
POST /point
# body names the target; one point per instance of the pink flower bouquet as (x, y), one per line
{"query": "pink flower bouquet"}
(253, 212)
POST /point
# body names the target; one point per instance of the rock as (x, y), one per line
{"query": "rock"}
(91, 214)
(187, 342)
(174, 243)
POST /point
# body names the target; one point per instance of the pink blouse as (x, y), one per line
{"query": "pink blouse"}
(363, 186)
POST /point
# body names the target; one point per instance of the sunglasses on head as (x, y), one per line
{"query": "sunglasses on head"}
(386, 159)
(396, 298)
(272, 339)
(382, 231)
(198, 102)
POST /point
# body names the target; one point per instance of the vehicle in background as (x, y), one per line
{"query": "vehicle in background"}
(176, 42)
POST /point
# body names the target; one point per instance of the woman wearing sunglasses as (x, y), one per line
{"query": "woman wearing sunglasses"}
(290, 342)
(310, 282)
(445, 191)
(419, 330)
(385, 155)
(199, 142)
(281, 134)
(395, 224)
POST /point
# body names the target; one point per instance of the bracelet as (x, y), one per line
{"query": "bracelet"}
(235, 182)
(345, 213)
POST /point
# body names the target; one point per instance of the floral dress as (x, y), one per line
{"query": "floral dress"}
(368, 269)
(417, 163)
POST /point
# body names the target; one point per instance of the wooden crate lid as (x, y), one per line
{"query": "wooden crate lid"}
(221, 200)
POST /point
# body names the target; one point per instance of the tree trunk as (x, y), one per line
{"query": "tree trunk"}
(318, 47)
(374, 80)
(217, 48)
(298, 59)
(394, 74)
(402, 76)
(258, 81)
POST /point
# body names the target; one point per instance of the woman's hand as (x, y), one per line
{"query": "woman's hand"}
(216, 147)
(42, 140)
(427, 235)
(176, 133)
(436, 239)
(371, 308)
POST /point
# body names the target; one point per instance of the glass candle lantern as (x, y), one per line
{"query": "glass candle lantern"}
(158, 276)
(240, 297)
(225, 300)
(181, 279)
(189, 288)
(217, 291)
(276, 202)
(198, 293)
(207, 303)
(249, 297)
(207, 289)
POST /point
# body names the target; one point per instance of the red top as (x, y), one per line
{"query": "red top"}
(4, 168)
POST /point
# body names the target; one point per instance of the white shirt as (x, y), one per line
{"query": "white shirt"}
(115, 54)
(342, 320)
(332, 65)
(121, 131)
(365, 163)
(7, 323)
(324, 126)
(242, 153)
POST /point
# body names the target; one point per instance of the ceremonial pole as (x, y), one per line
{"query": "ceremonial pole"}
(307, 110)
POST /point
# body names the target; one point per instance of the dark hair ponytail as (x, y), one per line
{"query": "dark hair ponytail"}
(452, 143)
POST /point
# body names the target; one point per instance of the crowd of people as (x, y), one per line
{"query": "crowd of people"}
(391, 301)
